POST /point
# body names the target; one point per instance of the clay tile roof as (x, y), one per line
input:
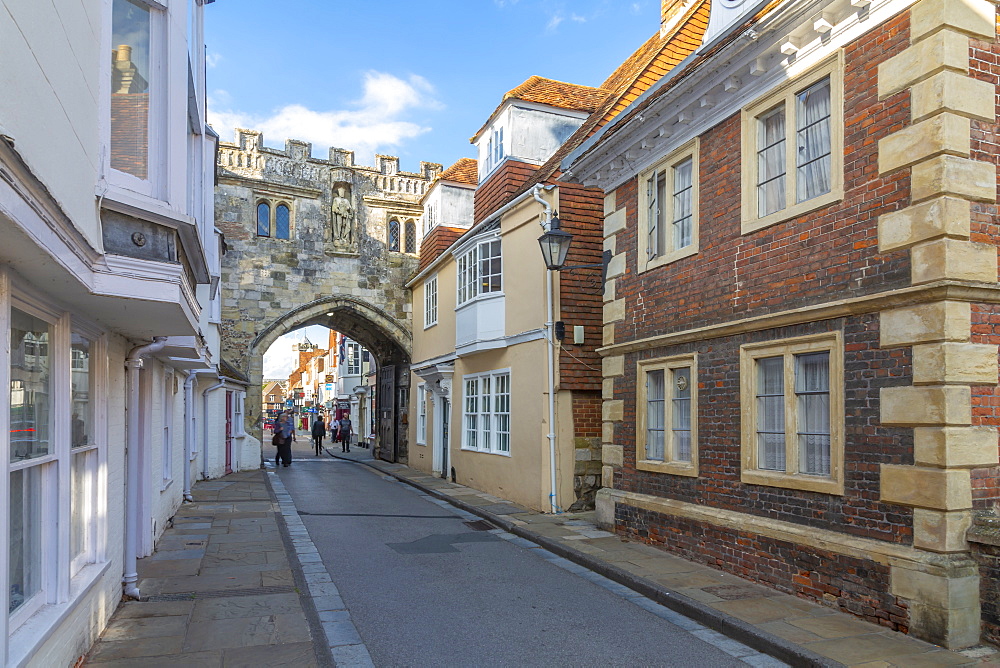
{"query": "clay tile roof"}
(553, 93)
(437, 241)
(466, 170)
(558, 94)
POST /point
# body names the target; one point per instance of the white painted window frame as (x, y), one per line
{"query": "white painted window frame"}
(485, 436)
(422, 414)
(650, 259)
(431, 301)
(469, 276)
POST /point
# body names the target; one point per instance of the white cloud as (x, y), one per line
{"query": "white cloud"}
(374, 123)
(578, 18)
(554, 22)
(280, 360)
(212, 59)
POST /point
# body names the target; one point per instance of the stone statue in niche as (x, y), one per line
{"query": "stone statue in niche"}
(343, 219)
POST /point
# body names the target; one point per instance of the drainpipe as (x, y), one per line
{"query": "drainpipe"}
(189, 429)
(549, 348)
(204, 440)
(132, 444)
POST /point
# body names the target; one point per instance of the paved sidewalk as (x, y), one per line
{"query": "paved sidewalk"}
(792, 629)
(225, 590)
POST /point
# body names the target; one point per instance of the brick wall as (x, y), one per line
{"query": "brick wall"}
(497, 190)
(832, 251)
(581, 212)
(867, 444)
(586, 414)
(859, 586)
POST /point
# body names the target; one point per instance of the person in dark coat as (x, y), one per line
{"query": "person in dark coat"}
(318, 431)
(344, 433)
(284, 432)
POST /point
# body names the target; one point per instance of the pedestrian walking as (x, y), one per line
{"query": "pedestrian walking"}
(284, 435)
(344, 433)
(318, 431)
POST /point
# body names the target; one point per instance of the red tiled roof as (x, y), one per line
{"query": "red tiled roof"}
(466, 170)
(436, 242)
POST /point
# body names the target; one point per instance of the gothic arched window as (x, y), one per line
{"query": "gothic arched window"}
(394, 235)
(411, 237)
(263, 219)
(282, 219)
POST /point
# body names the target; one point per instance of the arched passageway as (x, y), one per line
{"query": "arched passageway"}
(388, 341)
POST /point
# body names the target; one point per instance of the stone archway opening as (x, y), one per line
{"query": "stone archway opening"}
(388, 341)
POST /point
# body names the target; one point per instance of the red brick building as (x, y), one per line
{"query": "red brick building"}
(799, 355)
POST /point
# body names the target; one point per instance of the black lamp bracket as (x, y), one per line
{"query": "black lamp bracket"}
(603, 266)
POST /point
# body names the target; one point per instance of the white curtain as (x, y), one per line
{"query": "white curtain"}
(654, 415)
(771, 414)
(812, 120)
(771, 162)
(812, 387)
(682, 204)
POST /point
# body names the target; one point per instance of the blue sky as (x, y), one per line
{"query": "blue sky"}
(413, 79)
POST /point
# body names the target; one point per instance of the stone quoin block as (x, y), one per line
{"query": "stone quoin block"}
(955, 447)
(944, 607)
(607, 432)
(608, 480)
(953, 92)
(616, 267)
(613, 411)
(941, 531)
(976, 18)
(924, 487)
(924, 323)
(614, 223)
(953, 175)
(614, 310)
(932, 219)
(948, 363)
(613, 455)
(613, 366)
(926, 405)
(608, 388)
(609, 203)
(608, 335)
(944, 50)
(953, 259)
(943, 133)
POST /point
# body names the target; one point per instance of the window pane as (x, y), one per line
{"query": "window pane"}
(654, 415)
(770, 414)
(683, 191)
(394, 235)
(411, 237)
(661, 213)
(812, 114)
(82, 426)
(82, 497)
(681, 416)
(653, 207)
(30, 402)
(282, 221)
(264, 219)
(25, 535)
(771, 162)
(812, 389)
(130, 88)
(501, 407)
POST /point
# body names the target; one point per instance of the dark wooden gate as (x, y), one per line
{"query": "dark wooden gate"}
(386, 400)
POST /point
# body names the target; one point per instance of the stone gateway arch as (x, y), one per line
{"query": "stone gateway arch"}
(318, 242)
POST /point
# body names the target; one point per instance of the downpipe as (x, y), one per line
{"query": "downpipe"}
(549, 349)
(204, 439)
(133, 363)
(189, 429)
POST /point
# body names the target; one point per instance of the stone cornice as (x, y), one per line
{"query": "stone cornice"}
(950, 290)
(269, 187)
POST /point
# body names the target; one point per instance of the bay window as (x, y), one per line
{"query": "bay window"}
(480, 271)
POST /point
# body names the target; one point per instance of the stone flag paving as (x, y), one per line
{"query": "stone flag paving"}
(225, 588)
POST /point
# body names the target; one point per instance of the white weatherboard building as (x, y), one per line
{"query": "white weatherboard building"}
(109, 307)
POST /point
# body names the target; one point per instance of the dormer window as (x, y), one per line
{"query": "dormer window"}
(494, 150)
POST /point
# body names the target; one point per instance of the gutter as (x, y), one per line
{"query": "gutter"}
(133, 443)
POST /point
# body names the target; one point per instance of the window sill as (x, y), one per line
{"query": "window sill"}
(166, 485)
(752, 224)
(481, 298)
(39, 628)
(673, 468)
(483, 452)
(806, 483)
(671, 257)
(429, 325)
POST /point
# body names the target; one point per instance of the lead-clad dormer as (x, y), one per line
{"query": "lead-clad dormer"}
(531, 123)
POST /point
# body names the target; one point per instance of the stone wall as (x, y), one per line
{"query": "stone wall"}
(334, 268)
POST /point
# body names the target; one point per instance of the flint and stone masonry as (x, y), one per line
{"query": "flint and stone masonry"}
(340, 257)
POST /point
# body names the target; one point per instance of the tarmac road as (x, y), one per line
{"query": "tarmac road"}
(424, 588)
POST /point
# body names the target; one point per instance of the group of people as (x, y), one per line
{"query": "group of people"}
(284, 435)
